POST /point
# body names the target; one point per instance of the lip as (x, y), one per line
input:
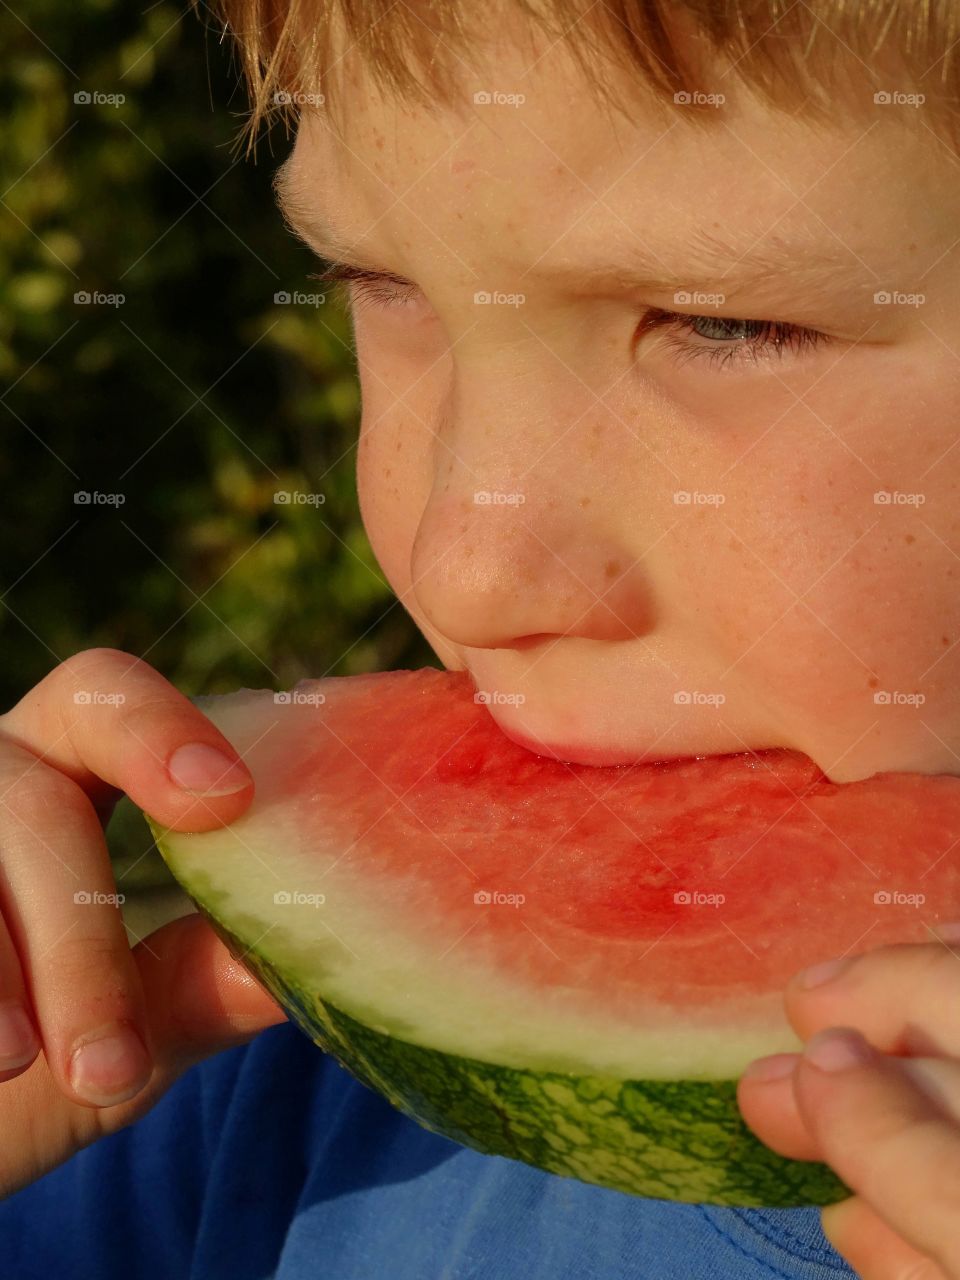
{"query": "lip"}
(581, 754)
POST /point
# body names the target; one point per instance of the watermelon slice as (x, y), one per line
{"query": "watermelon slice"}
(564, 964)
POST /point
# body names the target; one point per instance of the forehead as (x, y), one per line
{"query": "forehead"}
(540, 170)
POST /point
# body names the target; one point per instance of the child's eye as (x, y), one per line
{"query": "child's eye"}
(723, 340)
(378, 288)
(727, 341)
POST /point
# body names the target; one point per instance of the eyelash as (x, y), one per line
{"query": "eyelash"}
(772, 337)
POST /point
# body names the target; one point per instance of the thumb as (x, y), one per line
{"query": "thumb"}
(199, 999)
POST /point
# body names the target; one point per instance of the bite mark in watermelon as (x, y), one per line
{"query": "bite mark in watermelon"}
(563, 964)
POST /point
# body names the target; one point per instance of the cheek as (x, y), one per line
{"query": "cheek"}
(392, 491)
(395, 455)
(819, 595)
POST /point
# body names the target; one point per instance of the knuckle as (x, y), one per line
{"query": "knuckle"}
(95, 966)
(36, 795)
(79, 674)
(99, 659)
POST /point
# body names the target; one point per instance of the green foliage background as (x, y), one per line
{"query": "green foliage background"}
(197, 399)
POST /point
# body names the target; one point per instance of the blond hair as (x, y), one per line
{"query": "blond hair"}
(823, 57)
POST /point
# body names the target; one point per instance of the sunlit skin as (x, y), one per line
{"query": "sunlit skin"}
(827, 619)
(793, 594)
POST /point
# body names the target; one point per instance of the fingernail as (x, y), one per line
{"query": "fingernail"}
(110, 1067)
(818, 974)
(837, 1049)
(205, 771)
(775, 1067)
(18, 1040)
(948, 932)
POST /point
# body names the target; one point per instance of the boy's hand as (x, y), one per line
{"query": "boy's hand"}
(91, 1033)
(888, 1125)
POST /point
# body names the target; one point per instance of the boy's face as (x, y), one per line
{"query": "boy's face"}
(523, 463)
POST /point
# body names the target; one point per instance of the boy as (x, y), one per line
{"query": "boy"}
(660, 387)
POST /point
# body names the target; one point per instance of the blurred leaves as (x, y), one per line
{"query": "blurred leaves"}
(196, 400)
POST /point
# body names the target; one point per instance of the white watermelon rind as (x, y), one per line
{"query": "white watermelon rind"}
(682, 1140)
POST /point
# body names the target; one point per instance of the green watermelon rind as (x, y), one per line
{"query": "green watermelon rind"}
(664, 1139)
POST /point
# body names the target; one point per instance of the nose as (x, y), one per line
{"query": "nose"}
(492, 568)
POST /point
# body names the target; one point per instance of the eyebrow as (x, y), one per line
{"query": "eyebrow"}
(764, 264)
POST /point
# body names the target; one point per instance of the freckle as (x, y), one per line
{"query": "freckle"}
(944, 640)
(399, 445)
(908, 538)
(387, 471)
(598, 428)
(584, 502)
(464, 528)
(803, 499)
(552, 502)
(872, 682)
(611, 569)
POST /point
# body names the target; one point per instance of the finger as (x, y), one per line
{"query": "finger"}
(895, 995)
(890, 1140)
(59, 903)
(200, 1000)
(19, 1040)
(872, 1247)
(768, 1100)
(768, 1105)
(106, 717)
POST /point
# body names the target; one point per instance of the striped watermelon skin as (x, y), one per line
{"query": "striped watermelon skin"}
(679, 1140)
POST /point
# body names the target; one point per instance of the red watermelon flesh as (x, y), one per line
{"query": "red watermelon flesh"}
(677, 882)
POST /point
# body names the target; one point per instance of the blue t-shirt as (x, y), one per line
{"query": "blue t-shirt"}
(271, 1161)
